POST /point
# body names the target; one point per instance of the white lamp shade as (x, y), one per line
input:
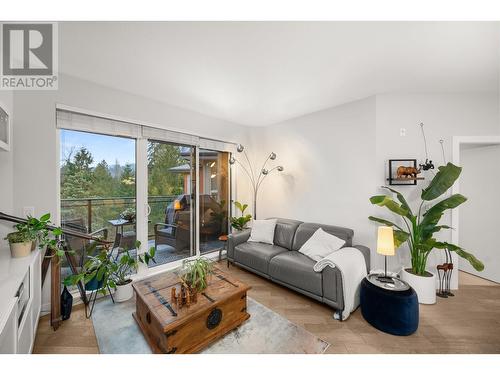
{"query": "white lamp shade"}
(385, 241)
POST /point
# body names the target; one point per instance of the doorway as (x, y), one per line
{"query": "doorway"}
(476, 222)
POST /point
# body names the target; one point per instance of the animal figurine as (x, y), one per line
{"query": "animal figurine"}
(407, 172)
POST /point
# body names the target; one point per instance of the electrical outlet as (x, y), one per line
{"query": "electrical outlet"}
(402, 132)
(28, 211)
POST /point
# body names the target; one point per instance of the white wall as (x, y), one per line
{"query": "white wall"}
(337, 158)
(35, 142)
(329, 164)
(6, 169)
(478, 220)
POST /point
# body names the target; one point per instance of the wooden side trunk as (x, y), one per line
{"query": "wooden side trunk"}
(197, 332)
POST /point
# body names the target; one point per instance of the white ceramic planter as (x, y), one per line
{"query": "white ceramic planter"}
(425, 286)
(20, 250)
(123, 292)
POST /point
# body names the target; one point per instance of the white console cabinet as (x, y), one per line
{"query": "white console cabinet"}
(20, 301)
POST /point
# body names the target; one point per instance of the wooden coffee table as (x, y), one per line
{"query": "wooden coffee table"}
(220, 308)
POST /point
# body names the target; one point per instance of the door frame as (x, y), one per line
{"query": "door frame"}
(458, 141)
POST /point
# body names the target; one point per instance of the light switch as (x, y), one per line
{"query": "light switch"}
(402, 132)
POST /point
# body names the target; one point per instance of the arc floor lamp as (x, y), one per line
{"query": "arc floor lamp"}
(255, 179)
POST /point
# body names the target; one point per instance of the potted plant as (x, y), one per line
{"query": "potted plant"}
(195, 274)
(103, 273)
(20, 244)
(125, 266)
(418, 229)
(240, 223)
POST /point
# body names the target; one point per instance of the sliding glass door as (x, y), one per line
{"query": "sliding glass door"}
(97, 192)
(126, 183)
(214, 199)
(171, 203)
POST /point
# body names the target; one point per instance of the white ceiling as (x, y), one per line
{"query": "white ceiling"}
(259, 73)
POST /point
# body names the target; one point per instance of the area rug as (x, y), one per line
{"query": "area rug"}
(266, 332)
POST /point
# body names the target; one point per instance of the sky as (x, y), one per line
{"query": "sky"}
(102, 147)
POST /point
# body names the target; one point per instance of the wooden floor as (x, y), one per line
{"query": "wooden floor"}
(466, 323)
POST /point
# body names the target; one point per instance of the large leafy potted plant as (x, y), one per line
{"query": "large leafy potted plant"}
(240, 223)
(417, 229)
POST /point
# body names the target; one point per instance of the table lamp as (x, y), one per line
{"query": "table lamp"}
(385, 246)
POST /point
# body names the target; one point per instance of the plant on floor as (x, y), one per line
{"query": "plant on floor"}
(240, 223)
(107, 272)
(195, 273)
(419, 228)
(127, 264)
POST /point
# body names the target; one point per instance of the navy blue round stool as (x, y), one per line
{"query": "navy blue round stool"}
(391, 311)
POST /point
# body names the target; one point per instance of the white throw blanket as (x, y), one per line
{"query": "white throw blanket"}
(351, 263)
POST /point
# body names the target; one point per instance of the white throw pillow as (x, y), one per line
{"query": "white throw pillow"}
(321, 244)
(263, 231)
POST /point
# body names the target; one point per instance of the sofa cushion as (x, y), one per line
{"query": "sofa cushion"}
(285, 232)
(256, 255)
(306, 230)
(296, 269)
(263, 231)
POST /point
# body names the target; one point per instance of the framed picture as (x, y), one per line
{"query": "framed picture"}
(403, 172)
(4, 129)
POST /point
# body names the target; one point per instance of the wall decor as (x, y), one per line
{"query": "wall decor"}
(4, 129)
(404, 172)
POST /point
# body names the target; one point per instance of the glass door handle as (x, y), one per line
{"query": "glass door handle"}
(148, 210)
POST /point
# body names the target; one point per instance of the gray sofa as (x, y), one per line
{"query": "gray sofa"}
(285, 265)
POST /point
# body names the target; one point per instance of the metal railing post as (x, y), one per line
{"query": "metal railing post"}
(89, 215)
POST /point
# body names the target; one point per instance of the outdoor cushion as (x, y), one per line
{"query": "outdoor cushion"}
(166, 231)
(256, 255)
(296, 269)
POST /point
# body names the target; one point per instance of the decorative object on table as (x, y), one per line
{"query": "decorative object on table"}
(403, 172)
(418, 229)
(5, 130)
(66, 304)
(391, 308)
(194, 276)
(220, 308)
(128, 214)
(20, 244)
(255, 179)
(240, 223)
(385, 247)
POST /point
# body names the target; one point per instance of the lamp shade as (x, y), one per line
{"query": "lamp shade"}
(385, 241)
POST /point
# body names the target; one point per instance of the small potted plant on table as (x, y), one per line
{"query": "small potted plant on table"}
(194, 277)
